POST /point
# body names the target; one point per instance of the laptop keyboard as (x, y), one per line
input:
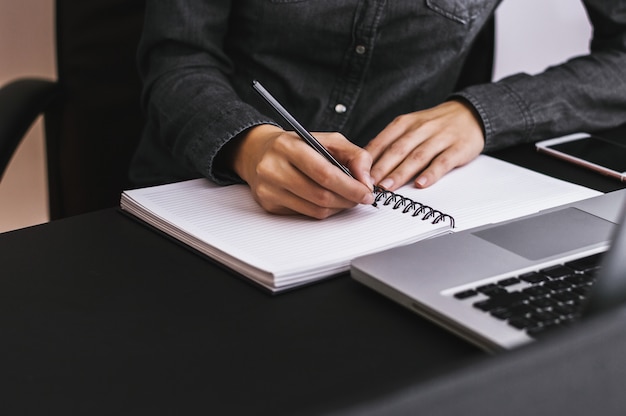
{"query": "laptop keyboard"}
(537, 301)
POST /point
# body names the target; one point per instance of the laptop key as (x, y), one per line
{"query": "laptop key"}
(491, 289)
(533, 277)
(557, 285)
(567, 296)
(522, 310)
(557, 272)
(503, 300)
(540, 330)
(502, 313)
(582, 290)
(508, 282)
(544, 303)
(586, 263)
(545, 317)
(537, 291)
(521, 322)
(466, 294)
(579, 279)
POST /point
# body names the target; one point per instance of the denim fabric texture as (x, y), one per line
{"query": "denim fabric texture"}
(350, 66)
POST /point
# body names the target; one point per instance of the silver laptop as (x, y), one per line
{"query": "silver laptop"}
(504, 285)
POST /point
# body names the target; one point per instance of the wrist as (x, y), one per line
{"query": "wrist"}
(240, 152)
(472, 111)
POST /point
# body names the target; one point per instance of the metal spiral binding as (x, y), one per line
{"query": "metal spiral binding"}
(408, 205)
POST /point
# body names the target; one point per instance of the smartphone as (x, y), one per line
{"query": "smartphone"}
(592, 152)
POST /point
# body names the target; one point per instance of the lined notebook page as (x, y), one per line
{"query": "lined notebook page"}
(490, 190)
(227, 224)
(281, 251)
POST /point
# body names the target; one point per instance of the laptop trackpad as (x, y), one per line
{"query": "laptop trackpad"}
(549, 234)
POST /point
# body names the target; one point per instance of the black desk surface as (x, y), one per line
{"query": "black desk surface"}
(101, 315)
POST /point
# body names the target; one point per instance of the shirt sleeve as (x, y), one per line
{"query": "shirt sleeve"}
(190, 104)
(586, 93)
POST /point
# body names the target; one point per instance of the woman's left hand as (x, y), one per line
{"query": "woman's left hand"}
(427, 143)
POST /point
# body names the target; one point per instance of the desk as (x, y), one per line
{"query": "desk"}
(101, 315)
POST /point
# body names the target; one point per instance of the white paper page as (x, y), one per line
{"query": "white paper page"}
(230, 220)
(489, 190)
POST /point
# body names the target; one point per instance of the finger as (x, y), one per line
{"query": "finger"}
(356, 159)
(397, 153)
(280, 186)
(331, 187)
(297, 194)
(397, 128)
(418, 159)
(291, 204)
(439, 166)
(312, 178)
(446, 161)
(357, 187)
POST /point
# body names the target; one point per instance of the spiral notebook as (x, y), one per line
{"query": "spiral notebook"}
(283, 252)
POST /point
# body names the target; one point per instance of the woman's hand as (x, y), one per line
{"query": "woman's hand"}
(287, 176)
(427, 143)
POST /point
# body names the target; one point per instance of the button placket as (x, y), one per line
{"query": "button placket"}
(346, 91)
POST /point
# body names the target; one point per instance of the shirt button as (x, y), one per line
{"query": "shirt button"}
(360, 49)
(340, 108)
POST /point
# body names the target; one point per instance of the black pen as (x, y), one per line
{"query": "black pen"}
(302, 132)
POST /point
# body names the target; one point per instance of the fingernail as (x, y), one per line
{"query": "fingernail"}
(386, 183)
(421, 181)
(368, 199)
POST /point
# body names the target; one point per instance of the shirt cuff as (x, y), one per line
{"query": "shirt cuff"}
(209, 138)
(506, 117)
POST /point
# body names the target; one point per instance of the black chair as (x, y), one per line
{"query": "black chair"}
(92, 112)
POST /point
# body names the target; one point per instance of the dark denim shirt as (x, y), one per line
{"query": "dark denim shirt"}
(349, 66)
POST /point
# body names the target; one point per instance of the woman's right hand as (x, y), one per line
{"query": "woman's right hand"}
(287, 176)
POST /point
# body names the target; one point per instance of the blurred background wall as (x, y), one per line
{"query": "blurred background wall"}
(26, 48)
(532, 34)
